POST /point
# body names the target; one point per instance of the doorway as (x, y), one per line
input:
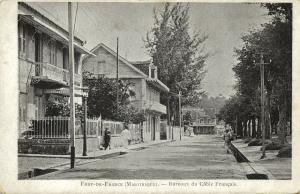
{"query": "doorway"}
(153, 128)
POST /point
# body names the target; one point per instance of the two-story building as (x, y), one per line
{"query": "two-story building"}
(143, 75)
(203, 121)
(43, 63)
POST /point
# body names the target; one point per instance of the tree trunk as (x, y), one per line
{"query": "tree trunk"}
(248, 128)
(258, 134)
(239, 128)
(245, 128)
(267, 117)
(253, 127)
(282, 119)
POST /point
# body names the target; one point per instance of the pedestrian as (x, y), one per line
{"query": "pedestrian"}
(227, 140)
(107, 137)
(126, 136)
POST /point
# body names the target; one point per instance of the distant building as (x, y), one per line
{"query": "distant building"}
(146, 86)
(43, 63)
(203, 121)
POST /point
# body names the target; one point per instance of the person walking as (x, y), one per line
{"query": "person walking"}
(107, 137)
(126, 136)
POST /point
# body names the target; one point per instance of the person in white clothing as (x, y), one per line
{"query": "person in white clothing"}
(126, 136)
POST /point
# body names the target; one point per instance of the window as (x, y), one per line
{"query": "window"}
(52, 52)
(152, 73)
(22, 39)
(65, 58)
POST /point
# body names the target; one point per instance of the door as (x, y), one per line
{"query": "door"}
(153, 128)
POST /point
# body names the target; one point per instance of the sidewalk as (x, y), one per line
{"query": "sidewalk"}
(279, 168)
(29, 162)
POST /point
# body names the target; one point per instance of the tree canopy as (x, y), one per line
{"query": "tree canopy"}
(274, 41)
(102, 94)
(178, 54)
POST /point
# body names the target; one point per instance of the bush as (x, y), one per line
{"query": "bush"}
(285, 152)
(255, 142)
(273, 146)
(247, 140)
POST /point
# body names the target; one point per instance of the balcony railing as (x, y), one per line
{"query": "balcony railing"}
(55, 73)
(156, 106)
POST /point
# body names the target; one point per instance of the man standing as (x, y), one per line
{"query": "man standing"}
(227, 139)
(107, 137)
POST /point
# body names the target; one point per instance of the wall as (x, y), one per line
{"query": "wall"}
(105, 63)
(152, 94)
(92, 145)
(30, 98)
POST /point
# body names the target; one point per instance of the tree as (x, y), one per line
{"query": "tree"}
(102, 99)
(274, 39)
(179, 56)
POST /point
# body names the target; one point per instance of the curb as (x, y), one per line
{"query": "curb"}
(253, 170)
(52, 169)
(137, 146)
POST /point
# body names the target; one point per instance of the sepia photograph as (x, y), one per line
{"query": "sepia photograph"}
(150, 90)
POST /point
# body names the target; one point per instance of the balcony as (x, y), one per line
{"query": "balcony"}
(150, 106)
(48, 76)
(155, 107)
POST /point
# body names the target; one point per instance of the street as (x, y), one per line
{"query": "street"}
(199, 157)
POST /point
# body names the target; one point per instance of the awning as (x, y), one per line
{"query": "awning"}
(44, 82)
(64, 92)
(157, 84)
(44, 27)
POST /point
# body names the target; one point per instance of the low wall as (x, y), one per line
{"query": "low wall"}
(62, 146)
(92, 144)
(176, 133)
(44, 146)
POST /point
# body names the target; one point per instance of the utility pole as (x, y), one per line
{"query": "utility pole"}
(117, 76)
(262, 90)
(72, 96)
(236, 121)
(84, 152)
(179, 102)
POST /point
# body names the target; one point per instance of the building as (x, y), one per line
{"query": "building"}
(43, 63)
(143, 75)
(203, 121)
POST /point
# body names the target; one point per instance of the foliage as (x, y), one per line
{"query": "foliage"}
(60, 107)
(274, 40)
(187, 118)
(179, 56)
(102, 94)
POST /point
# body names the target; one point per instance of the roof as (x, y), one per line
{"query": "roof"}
(142, 65)
(46, 28)
(156, 83)
(101, 45)
(45, 16)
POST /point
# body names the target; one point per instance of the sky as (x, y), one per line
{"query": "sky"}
(224, 23)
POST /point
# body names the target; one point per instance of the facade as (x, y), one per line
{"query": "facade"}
(203, 121)
(143, 75)
(43, 63)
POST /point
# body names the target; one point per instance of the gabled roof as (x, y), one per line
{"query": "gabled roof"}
(101, 45)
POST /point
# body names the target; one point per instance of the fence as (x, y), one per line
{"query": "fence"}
(49, 127)
(58, 127)
(135, 131)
